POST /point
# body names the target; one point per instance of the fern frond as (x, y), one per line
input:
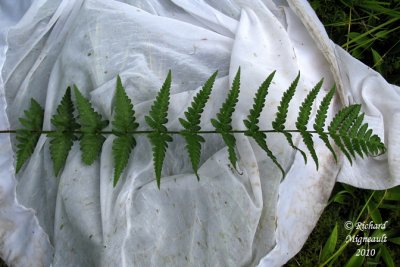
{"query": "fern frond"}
(192, 123)
(123, 126)
(321, 118)
(27, 138)
(63, 137)
(279, 123)
(156, 120)
(304, 117)
(346, 129)
(222, 123)
(251, 123)
(91, 125)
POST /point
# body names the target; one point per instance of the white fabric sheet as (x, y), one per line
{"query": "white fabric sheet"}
(248, 218)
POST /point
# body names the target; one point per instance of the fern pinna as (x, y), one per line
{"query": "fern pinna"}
(123, 126)
(223, 121)
(91, 139)
(28, 137)
(192, 123)
(251, 123)
(279, 123)
(62, 138)
(157, 119)
(347, 129)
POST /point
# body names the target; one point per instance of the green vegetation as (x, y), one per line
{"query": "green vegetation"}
(368, 29)
(327, 244)
(346, 128)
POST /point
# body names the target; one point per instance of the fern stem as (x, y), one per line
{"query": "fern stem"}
(15, 131)
(168, 132)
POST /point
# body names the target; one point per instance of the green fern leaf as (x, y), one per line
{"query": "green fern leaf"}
(376, 146)
(159, 142)
(91, 145)
(63, 137)
(123, 126)
(279, 123)
(353, 134)
(27, 138)
(345, 127)
(193, 146)
(372, 145)
(222, 123)
(304, 117)
(156, 120)
(259, 102)
(321, 118)
(159, 110)
(335, 126)
(124, 117)
(367, 136)
(361, 132)
(251, 123)
(338, 119)
(91, 127)
(64, 120)
(60, 145)
(363, 140)
(280, 119)
(192, 123)
(121, 149)
(260, 139)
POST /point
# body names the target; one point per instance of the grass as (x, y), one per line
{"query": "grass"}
(351, 204)
(369, 31)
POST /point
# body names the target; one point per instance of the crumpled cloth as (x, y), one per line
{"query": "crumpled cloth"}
(249, 217)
